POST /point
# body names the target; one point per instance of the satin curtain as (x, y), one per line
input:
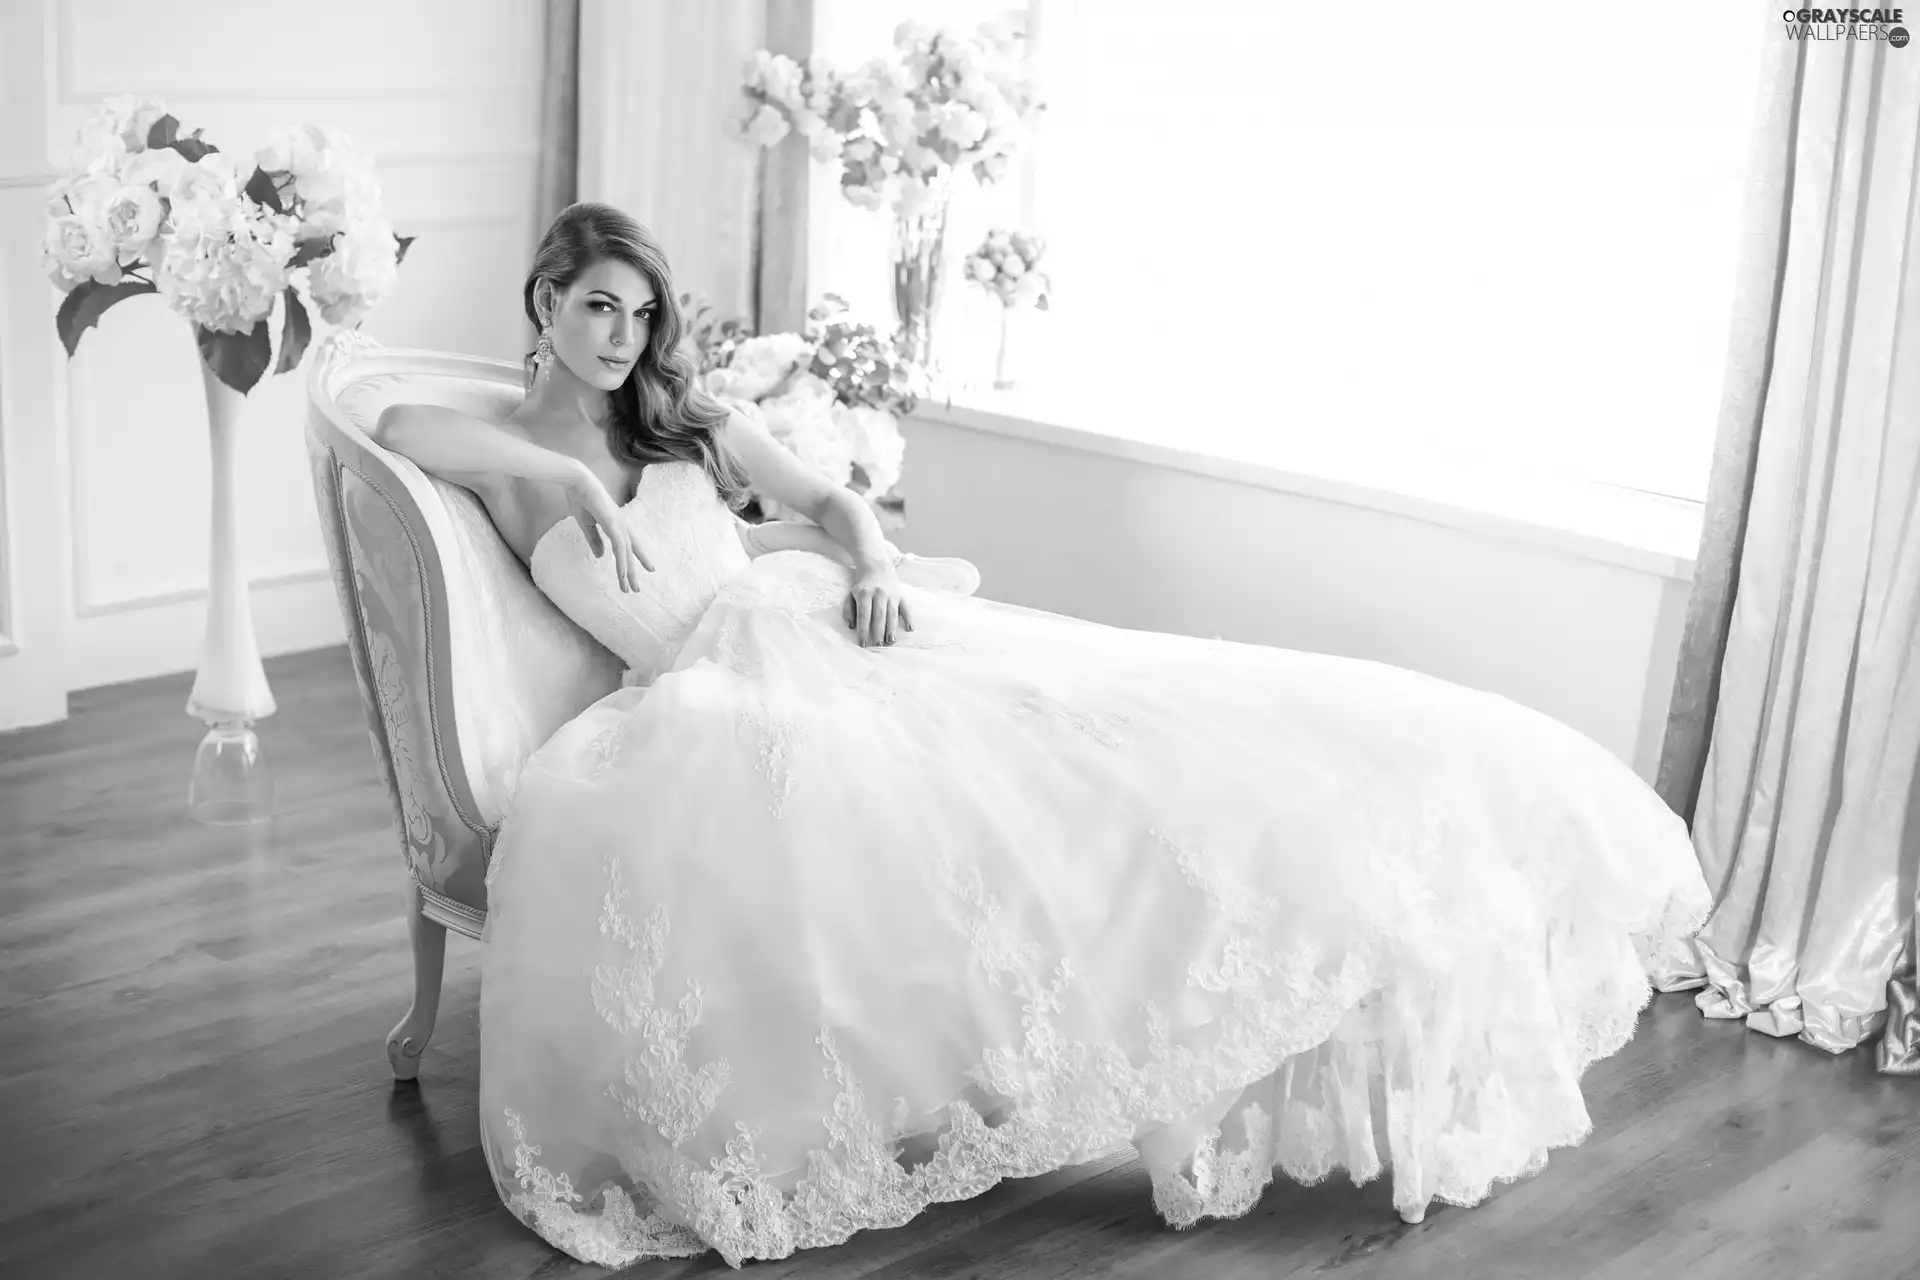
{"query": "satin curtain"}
(1807, 821)
(558, 180)
(659, 94)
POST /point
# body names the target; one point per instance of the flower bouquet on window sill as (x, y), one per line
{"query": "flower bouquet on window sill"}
(901, 129)
(225, 242)
(1007, 265)
(833, 395)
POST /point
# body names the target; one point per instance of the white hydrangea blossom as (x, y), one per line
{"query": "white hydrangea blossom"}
(218, 257)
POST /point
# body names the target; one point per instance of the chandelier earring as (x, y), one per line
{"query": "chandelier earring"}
(542, 351)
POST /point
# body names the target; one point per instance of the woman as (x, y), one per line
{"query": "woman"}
(861, 895)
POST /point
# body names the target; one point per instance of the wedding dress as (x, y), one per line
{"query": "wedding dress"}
(1024, 888)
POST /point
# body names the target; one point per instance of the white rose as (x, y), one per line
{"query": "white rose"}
(766, 126)
(760, 364)
(321, 178)
(212, 178)
(981, 269)
(874, 442)
(802, 420)
(865, 197)
(161, 170)
(782, 80)
(76, 248)
(358, 275)
(824, 145)
(133, 221)
(916, 199)
(124, 118)
(962, 125)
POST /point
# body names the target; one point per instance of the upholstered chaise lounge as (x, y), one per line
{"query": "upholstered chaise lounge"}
(464, 666)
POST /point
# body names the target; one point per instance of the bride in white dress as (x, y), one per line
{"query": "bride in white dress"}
(862, 895)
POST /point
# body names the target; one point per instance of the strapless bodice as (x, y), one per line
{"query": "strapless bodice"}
(688, 533)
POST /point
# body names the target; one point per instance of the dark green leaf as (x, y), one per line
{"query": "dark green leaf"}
(260, 190)
(307, 250)
(237, 359)
(87, 302)
(163, 132)
(404, 241)
(192, 147)
(295, 332)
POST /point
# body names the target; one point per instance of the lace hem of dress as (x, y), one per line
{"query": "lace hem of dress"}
(1069, 1100)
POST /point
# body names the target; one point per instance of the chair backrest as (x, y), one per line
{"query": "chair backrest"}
(464, 666)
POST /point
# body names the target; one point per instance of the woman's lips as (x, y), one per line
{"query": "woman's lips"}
(615, 364)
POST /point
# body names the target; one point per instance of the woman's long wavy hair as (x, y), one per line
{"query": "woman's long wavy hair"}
(660, 412)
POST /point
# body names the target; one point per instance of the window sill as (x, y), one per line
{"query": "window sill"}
(1647, 532)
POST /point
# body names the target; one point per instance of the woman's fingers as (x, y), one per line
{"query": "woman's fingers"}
(640, 554)
(863, 622)
(906, 616)
(628, 569)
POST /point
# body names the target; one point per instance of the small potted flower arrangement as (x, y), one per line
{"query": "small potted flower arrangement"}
(1007, 265)
(834, 395)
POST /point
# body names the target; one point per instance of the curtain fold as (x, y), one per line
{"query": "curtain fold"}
(659, 95)
(558, 179)
(1793, 741)
(1759, 276)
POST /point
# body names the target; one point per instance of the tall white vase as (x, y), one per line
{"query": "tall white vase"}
(232, 782)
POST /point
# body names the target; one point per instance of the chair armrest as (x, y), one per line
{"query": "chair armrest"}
(465, 667)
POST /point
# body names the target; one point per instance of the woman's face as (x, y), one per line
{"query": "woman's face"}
(601, 324)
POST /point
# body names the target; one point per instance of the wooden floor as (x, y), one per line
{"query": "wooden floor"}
(192, 1082)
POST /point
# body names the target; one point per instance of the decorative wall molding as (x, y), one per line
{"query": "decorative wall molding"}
(69, 91)
(87, 603)
(184, 595)
(9, 579)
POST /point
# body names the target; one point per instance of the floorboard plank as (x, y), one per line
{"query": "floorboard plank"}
(192, 1081)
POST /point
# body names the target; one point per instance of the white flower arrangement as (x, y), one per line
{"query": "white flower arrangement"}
(833, 396)
(1007, 265)
(220, 239)
(900, 127)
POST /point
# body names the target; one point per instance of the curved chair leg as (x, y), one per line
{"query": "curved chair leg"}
(407, 1041)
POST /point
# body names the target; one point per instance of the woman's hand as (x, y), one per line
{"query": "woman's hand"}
(589, 502)
(877, 609)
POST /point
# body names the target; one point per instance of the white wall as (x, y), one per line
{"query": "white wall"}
(103, 460)
(1134, 544)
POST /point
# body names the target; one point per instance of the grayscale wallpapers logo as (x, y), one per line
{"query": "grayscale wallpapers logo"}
(1847, 24)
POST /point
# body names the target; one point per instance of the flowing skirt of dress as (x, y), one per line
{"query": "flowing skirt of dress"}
(1026, 888)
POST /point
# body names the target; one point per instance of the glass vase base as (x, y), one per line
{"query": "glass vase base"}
(232, 784)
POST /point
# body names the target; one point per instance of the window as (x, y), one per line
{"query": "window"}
(1500, 235)
(848, 246)
(1282, 233)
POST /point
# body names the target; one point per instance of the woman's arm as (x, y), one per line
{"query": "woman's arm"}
(780, 475)
(475, 453)
(876, 610)
(467, 450)
(794, 535)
